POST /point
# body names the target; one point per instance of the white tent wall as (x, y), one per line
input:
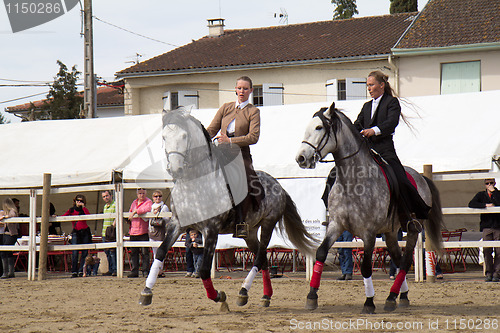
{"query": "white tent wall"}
(452, 132)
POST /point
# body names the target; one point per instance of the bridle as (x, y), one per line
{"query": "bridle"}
(328, 126)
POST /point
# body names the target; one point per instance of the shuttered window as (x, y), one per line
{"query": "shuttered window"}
(460, 77)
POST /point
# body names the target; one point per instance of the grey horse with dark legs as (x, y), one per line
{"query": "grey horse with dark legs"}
(189, 152)
(359, 202)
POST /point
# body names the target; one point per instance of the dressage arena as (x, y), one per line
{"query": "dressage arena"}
(461, 302)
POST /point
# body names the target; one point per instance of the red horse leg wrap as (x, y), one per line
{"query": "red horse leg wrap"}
(316, 276)
(396, 287)
(268, 289)
(211, 292)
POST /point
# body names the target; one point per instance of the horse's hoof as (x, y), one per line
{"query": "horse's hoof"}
(265, 301)
(221, 297)
(390, 305)
(146, 297)
(242, 300)
(368, 309)
(224, 307)
(242, 297)
(311, 304)
(404, 302)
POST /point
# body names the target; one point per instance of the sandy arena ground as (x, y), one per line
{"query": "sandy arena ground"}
(461, 302)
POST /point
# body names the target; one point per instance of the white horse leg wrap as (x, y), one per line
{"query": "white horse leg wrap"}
(404, 286)
(369, 291)
(249, 280)
(153, 273)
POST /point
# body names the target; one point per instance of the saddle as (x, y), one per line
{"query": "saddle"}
(395, 201)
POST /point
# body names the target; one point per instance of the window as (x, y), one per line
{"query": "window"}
(341, 91)
(268, 94)
(460, 77)
(173, 99)
(345, 89)
(258, 96)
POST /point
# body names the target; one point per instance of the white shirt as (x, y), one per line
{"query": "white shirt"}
(232, 124)
(375, 103)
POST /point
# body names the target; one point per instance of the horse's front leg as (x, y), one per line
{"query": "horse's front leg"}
(173, 231)
(366, 271)
(400, 284)
(206, 265)
(332, 234)
(260, 263)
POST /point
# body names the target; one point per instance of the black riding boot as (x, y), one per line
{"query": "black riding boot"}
(241, 226)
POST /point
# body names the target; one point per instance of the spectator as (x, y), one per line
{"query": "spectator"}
(110, 208)
(79, 235)
(194, 241)
(158, 225)
(490, 226)
(8, 236)
(189, 256)
(345, 257)
(23, 227)
(139, 232)
(54, 227)
(91, 265)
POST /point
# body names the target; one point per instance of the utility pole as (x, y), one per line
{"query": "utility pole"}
(89, 96)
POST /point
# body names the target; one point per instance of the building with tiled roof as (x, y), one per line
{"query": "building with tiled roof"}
(452, 47)
(289, 64)
(109, 104)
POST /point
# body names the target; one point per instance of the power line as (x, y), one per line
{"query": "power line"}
(19, 98)
(134, 33)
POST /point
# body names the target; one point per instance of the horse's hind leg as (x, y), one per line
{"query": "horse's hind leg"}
(147, 294)
(332, 234)
(400, 284)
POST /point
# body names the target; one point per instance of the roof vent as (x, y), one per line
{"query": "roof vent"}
(215, 27)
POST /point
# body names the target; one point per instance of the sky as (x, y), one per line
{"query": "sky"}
(30, 56)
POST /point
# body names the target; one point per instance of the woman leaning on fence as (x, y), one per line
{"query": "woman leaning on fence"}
(8, 236)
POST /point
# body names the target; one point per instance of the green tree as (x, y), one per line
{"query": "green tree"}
(403, 6)
(345, 9)
(63, 100)
(3, 120)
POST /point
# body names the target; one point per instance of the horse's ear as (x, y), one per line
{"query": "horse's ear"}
(331, 111)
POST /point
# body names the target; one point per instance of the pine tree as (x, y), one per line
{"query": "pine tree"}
(345, 9)
(63, 100)
(403, 6)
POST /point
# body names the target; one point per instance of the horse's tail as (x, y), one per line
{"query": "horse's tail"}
(434, 223)
(296, 230)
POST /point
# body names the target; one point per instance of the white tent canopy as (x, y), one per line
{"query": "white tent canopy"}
(452, 132)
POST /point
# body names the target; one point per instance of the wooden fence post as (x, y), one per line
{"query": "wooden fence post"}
(44, 228)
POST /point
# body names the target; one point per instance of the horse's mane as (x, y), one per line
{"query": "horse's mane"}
(181, 118)
(341, 118)
(336, 121)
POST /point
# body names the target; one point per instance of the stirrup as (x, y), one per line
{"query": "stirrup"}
(416, 223)
(241, 230)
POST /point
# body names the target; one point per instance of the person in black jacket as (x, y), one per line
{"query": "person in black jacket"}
(490, 226)
(377, 122)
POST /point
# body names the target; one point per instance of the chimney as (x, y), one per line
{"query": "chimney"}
(215, 27)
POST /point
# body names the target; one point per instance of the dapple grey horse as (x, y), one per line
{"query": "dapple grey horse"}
(359, 202)
(190, 152)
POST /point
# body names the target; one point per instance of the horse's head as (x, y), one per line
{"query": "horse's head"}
(175, 136)
(320, 138)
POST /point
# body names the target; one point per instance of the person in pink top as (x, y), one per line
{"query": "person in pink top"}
(138, 231)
